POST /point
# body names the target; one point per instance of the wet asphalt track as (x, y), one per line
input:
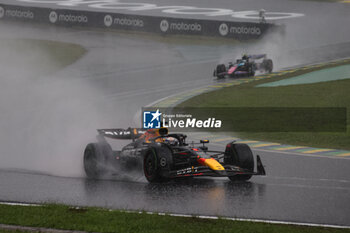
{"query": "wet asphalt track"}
(297, 188)
(122, 73)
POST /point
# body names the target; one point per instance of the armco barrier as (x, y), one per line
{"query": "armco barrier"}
(153, 24)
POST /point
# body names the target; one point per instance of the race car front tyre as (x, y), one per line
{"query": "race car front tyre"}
(220, 71)
(95, 159)
(239, 155)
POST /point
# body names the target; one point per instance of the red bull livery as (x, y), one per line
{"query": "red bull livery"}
(163, 156)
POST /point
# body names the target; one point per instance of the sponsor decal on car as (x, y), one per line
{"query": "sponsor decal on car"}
(118, 133)
(184, 171)
(188, 170)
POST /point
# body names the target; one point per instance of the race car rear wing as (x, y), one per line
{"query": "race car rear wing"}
(130, 133)
(257, 56)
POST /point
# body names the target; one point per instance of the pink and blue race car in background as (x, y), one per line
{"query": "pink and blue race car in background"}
(246, 66)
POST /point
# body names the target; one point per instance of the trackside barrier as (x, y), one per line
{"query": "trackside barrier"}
(117, 21)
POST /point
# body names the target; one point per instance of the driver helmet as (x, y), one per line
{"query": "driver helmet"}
(171, 141)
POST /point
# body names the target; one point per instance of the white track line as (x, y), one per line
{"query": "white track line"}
(210, 217)
(17, 204)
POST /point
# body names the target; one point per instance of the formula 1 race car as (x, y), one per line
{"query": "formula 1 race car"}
(247, 66)
(164, 156)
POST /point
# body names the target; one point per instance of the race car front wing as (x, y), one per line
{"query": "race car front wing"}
(230, 170)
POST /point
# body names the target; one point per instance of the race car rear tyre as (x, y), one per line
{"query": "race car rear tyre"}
(268, 65)
(220, 71)
(95, 155)
(239, 155)
(221, 76)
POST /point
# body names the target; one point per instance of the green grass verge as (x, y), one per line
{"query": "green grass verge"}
(325, 94)
(8, 231)
(102, 220)
(33, 58)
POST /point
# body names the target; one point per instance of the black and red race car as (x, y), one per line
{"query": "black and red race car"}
(164, 156)
(247, 66)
